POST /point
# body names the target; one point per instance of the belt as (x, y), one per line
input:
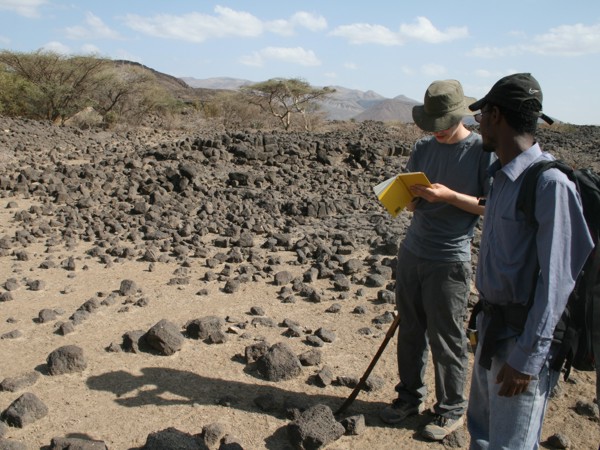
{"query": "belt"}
(512, 315)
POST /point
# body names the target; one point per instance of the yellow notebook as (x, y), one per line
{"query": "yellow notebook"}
(394, 193)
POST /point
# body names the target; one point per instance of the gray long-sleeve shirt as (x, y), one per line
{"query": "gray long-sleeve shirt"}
(510, 251)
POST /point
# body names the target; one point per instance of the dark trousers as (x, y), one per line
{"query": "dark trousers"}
(431, 298)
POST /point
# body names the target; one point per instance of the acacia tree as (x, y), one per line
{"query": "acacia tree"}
(234, 111)
(51, 86)
(15, 93)
(61, 85)
(129, 92)
(283, 97)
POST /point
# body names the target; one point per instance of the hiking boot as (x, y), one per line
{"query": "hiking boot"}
(440, 427)
(399, 410)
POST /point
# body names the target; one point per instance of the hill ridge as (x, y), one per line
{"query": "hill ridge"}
(344, 104)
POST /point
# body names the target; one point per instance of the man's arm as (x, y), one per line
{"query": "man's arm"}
(440, 193)
(563, 244)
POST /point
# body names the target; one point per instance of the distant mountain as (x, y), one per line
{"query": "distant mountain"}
(226, 83)
(344, 104)
(178, 87)
(165, 79)
(397, 109)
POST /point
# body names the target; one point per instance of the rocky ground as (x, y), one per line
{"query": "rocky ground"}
(206, 289)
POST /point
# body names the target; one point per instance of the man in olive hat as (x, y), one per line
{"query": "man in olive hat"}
(433, 274)
(524, 274)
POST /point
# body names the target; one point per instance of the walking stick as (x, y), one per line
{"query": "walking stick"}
(363, 381)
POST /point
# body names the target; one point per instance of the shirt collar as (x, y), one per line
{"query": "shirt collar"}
(518, 165)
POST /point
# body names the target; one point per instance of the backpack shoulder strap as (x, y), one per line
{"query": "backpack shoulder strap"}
(588, 185)
(526, 198)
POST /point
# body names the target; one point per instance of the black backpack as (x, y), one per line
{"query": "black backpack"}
(573, 333)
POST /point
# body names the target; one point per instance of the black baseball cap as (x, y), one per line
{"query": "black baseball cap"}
(511, 92)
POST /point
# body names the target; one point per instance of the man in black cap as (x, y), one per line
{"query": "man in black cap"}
(433, 275)
(524, 274)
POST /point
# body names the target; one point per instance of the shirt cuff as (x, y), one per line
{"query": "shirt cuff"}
(525, 362)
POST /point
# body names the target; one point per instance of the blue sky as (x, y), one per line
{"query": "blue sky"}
(390, 47)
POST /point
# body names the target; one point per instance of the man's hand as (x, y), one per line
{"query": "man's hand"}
(413, 205)
(434, 193)
(513, 382)
(439, 193)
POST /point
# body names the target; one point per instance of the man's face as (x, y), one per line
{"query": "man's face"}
(482, 118)
(447, 136)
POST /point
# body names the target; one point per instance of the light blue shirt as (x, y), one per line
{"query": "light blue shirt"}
(511, 248)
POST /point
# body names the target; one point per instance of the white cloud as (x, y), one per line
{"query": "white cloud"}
(300, 19)
(351, 66)
(225, 22)
(27, 8)
(568, 40)
(331, 75)
(495, 52)
(296, 55)
(309, 21)
(89, 49)
(196, 27)
(281, 27)
(406, 70)
(423, 30)
(127, 56)
(4, 40)
(364, 33)
(57, 47)
(94, 28)
(433, 70)
(564, 40)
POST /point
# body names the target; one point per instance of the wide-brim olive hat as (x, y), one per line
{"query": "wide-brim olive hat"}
(444, 106)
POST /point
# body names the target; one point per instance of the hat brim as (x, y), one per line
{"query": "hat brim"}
(433, 124)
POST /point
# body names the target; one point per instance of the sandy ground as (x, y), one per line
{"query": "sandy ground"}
(122, 397)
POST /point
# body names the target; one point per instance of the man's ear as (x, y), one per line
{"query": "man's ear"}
(495, 114)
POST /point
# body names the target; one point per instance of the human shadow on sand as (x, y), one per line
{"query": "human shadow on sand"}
(165, 386)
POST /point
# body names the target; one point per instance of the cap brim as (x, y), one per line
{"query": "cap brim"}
(478, 104)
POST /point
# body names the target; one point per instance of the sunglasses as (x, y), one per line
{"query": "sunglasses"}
(478, 116)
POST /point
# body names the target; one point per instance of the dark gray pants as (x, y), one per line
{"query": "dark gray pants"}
(431, 298)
